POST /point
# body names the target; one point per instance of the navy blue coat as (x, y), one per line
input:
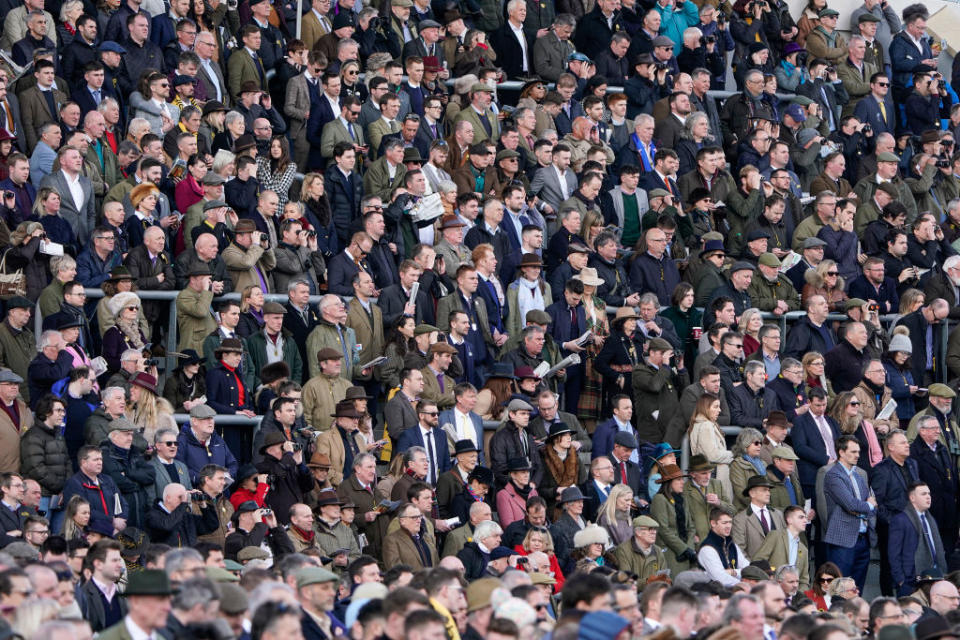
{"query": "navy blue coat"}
(647, 274)
(341, 271)
(223, 392)
(905, 549)
(889, 486)
(560, 327)
(344, 195)
(496, 313)
(42, 373)
(102, 498)
(788, 398)
(320, 114)
(809, 446)
(937, 471)
(886, 296)
(804, 337)
(412, 437)
(196, 456)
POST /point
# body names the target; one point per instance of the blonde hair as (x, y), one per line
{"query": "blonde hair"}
(151, 412)
(746, 317)
(609, 508)
(31, 615)
(543, 533)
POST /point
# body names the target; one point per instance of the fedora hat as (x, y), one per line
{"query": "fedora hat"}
(345, 409)
(557, 429)
(187, 357)
(778, 419)
(502, 370)
(146, 381)
(623, 314)
(229, 345)
(451, 222)
(571, 494)
(272, 439)
(530, 260)
(357, 393)
(328, 497)
(518, 464)
(464, 446)
(754, 482)
(699, 462)
(120, 273)
(589, 277)
(670, 472)
(148, 582)
(319, 461)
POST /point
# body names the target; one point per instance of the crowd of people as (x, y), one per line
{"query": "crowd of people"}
(447, 285)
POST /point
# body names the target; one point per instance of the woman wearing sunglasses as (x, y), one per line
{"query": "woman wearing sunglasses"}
(746, 464)
(825, 280)
(848, 412)
(825, 575)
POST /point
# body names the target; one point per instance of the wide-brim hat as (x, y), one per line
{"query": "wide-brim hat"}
(246, 472)
(699, 462)
(670, 472)
(272, 439)
(228, 345)
(213, 106)
(530, 260)
(187, 357)
(199, 269)
(69, 323)
(357, 393)
(464, 446)
(329, 498)
(345, 409)
(502, 370)
(319, 461)
(518, 464)
(557, 429)
(244, 142)
(523, 373)
(146, 381)
(412, 154)
(120, 273)
(571, 494)
(148, 582)
(754, 482)
(589, 277)
(625, 313)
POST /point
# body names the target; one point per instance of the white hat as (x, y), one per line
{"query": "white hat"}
(900, 342)
(122, 300)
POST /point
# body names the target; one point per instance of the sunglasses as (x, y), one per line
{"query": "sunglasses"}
(430, 413)
(172, 443)
(833, 273)
(826, 580)
(855, 403)
(133, 308)
(883, 84)
(757, 443)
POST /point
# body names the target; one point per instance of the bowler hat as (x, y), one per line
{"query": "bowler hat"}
(518, 464)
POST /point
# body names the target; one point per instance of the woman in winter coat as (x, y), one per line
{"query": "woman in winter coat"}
(677, 532)
(512, 499)
(479, 484)
(825, 280)
(899, 374)
(24, 253)
(746, 464)
(615, 514)
(126, 333)
(187, 385)
(561, 465)
(588, 546)
(540, 540)
(707, 439)
(43, 449)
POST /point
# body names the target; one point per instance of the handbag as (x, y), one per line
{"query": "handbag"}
(11, 284)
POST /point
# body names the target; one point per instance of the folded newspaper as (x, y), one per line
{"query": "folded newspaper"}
(427, 208)
(569, 361)
(376, 362)
(582, 340)
(887, 410)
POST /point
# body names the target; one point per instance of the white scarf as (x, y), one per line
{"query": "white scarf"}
(529, 296)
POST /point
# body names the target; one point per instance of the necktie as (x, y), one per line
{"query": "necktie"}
(929, 539)
(433, 128)
(352, 133)
(485, 121)
(623, 472)
(343, 341)
(440, 382)
(259, 66)
(827, 436)
(48, 96)
(763, 521)
(96, 96)
(883, 111)
(433, 458)
(790, 490)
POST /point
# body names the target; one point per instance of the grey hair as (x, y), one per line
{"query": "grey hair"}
(161, 432)
(753, 366)
(486, 529)
(346, 42)
(644, 118)
(691, 31)
(411, 452)
(477, 507)
(565, 20)
(692, 120)
(62, 263)
(649, 298)
(170, 488)
(142, 123)
(293, 284)
(514, 4)
(194, 591)
(130, 354)
(66, 7)
(363, 457)
(766, 330)
(790, 362)
(329, 299)
(105, 104)
(753, 73)
(565, 213)
(231, 117)
(175, 559)
(784, 570)
(109, 392)
(46, 337)
(446, 186)
(392, 143)
(732, 612)
(856, 38)
(265, 591)
(925, 419)
(745, 437)
(223, 158)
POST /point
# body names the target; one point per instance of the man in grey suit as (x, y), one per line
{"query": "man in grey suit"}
(344, 128)
(914, 544)
(399, 413)
(302, 91)
(76, 193)
(547, 181)
(851, 509)
(166, 464)
(209, 72)
(551, 51)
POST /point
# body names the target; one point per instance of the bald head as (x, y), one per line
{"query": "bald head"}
(206, 246)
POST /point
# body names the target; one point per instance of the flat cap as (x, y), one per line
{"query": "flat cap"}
(274, 308)
(501, 552)
(812, 243)
(867, 17)
(625, 439)
(219, 575)
(757, 234)
(519, 405)
(784, 453)
(753, 573)
(940, 390)
(481, 86)
(428, 24)
(827, 12)
(441, 347)
(214, 204)
(537, 316)
(645, 521)
(6, 375)
(314, 575)
(328, 353)
(577, 56)
(503, 154)
(424, 328)
(478, 593)
(233, 598)
(742, 266)
(854, 303)
(657, 193)
(577, 247)
(212, 179)
(887, 156)
(659, 344)
(252, 553)
(19, 302)
(121, 424)
(202, 411)
(769, 260)
(112, 47)
(662, 41)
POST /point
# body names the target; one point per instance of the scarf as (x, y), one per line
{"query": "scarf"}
(523, 492)
(563, 471)
(529, 296)
(680, 510)
(874, 452)
(757, 463)
(473, 494)
(131, 332)
(876, 390)
(306, 535)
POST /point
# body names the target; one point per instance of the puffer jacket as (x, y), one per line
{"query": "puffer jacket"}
(44, 458)
(132, 475)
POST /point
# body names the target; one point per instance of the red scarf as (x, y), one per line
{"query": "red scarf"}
(241, 395)
(306, 535)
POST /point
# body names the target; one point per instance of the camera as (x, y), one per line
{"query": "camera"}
(297, 447)
(9, 194)
(831, 69)
(264, 238)
(266, 512)
(661, 66)
(943, 163)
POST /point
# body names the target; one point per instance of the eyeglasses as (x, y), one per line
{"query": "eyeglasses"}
(133, 308)
(172, 443)
(430, 413)
(107, 238)
(42, 532)
(757, 443)
(883, 84)
(735, 346)
(416, 517)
